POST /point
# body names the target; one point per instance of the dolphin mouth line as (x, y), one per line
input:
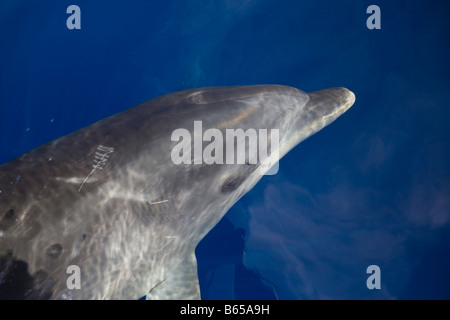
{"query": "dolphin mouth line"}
(340, 110)
(324, 119)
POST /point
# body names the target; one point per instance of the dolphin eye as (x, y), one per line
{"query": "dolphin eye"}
(231, 184)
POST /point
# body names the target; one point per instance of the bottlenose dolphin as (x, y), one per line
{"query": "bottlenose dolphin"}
(108, 202)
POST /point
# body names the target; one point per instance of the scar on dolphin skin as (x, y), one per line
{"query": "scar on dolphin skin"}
(169, 240)
(158, 202)
(100, 158)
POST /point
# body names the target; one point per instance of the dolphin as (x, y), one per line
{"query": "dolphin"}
(105, 213)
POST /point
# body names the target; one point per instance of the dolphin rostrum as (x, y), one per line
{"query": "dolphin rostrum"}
(106, 212)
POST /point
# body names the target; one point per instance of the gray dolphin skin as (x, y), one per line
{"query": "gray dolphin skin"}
(104, 212)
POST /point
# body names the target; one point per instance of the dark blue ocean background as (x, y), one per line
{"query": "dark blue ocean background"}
(372, 188)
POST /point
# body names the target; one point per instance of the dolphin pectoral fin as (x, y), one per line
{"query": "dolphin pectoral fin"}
(180, 283)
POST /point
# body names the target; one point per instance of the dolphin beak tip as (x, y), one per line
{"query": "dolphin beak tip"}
(348, 96)
(351, 98)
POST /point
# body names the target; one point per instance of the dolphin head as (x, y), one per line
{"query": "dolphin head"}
(238, 133)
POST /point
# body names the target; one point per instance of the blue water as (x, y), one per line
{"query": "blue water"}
(372, 188)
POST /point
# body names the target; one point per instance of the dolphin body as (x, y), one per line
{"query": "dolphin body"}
(108, 200)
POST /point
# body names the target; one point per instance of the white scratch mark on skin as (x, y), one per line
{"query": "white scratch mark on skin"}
(158, 202)
(99, 161)
(85, 179)
(170, 238)
(73, 180)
